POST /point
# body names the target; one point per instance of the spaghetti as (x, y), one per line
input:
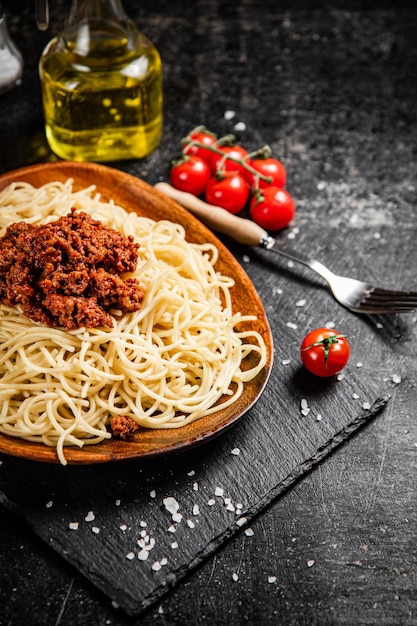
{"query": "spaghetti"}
(164, 366)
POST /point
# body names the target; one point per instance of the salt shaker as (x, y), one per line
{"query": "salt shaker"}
(11, 62)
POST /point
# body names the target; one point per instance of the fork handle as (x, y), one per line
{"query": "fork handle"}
(243, 230)
(238, 228)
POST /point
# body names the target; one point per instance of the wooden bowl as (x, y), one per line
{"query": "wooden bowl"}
(135, 195)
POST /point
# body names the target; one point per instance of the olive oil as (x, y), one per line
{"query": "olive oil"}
(101, 88)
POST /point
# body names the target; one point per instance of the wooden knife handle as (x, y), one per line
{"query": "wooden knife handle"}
(216, 218)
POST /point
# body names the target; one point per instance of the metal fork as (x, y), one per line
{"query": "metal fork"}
(353, 294)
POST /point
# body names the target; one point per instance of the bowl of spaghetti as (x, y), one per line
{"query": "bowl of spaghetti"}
(182, 367)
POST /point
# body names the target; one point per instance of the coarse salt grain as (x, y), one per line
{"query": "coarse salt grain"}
(174, 545)
(156, 566)
(130, 555)
(177, 517)
(292, 325)
(95, 530)
(171, 504)
(300, 302)
(195, 486)
(73, 525)
(49, 504)
(235, 577)
(286, 361)
(123, 527)
(191, 473)
(272, 579)
(153, 493)
(211, 502)
(355, 396)
(143, 524)
(236, 451)
(90, 516)
(241, 521)
(249, 532)
(310, 563)
(319, 417)
(117, 503)
(219, 491)
(304, 403)
(143, 555)
(359, 364)
(240, 126)
(396, 378)
(190, 523)
(366, 406)
(172, 529)
(246, 258)
(229, 115)
(196, 509)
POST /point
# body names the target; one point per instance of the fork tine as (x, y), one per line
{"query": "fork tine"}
(403, 300)
(364, 307)
(404, 296)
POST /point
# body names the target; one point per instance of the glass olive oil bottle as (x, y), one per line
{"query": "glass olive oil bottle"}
(101, 86)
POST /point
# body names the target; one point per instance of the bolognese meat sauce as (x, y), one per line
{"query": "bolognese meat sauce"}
(69, 272)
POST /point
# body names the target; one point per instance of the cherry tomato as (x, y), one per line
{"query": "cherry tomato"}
(190, 174)
(201, 136)
(324, 351)
(272, 168)
(272, 208)
(225, 163)
(228, 190)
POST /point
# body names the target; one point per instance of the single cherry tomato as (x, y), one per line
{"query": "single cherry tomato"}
(272, 208)
(224, 162)
(203, 137)
(273, 169)
(324, 351)
(228, 190)
(190, 174)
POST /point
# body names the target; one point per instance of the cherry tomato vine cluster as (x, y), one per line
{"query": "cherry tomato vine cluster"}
(227, 175)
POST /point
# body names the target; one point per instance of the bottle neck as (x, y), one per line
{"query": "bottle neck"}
(92, 21)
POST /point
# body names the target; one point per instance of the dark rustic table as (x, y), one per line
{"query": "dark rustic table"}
(332, 88)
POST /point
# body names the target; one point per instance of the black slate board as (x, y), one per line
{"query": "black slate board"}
(277, 443)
